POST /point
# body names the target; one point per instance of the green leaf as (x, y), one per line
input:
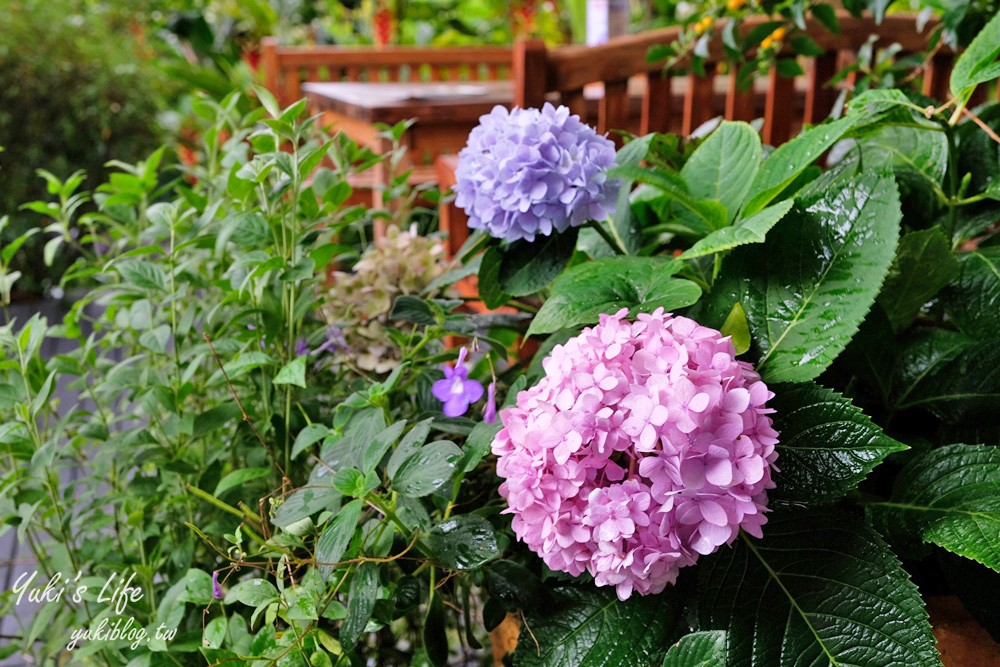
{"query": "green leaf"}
(294, 372)
(821, 588)
(215, 632)
(410, 443)
(923, 265)
(608, 284)
(724, 165)
(144, 275)
(951, 497)
(827, 445)
(746, 231)
(791, 158)
(336, 536)
(156, 340)
(431, 466)
(528, 266)
(238, 478)
(309, 436)
(463, 542)
(809, 287)
(737, 328)
(589, 627)
(381, 444)
(490, 290)
(949, 374)
(623, 222)
(360, 603)
(973, 300)
(979, 62)
(698, 649)
(303, 503)
(252, 593)
(704, 215)
(412, 309)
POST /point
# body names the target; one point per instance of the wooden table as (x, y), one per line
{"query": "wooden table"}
(443, 113)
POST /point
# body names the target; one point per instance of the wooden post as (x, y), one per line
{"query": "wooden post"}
(820, 98)
(779, 109)
(530, 73)
(698, 99)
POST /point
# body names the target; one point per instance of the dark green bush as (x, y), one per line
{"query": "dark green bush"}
(77, 88)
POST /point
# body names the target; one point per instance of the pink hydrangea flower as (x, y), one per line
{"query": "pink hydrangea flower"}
(646, 445)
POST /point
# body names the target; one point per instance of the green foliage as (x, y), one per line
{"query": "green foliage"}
(77, 88)
(949, 497)
(584, 627)
(824, 588)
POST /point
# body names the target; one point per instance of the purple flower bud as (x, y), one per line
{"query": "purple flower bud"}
(490, 410)
(216, 588)
(301, 347)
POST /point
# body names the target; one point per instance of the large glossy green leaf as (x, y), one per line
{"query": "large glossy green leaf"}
(606, 285)
(949, 497)
(923, 265)
(527, 267)
(698, 649)
(702, 215)
(827, 445)
(791, 158)
(746, 231)
(428, 468)
(463, 542)
(951, 375)
(809, 287)
(821, 588)
(724, 165)
(589, 627)
(973, 299)
(980, 62)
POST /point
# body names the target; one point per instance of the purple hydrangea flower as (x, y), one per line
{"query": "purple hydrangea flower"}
(456, 390)
(216, 588)
(645, 446)
(531, 172)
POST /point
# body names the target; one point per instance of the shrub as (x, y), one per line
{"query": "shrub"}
(77, 89)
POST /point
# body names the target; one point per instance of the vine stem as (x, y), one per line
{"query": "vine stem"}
(239, 404)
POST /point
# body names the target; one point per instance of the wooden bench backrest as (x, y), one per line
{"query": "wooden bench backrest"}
(286, 68)
(539, 72)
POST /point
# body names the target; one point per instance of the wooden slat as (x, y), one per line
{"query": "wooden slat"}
(291, 88)
(577, 103)
(739, 103)
(454, 222)
(271, 64)
(819, 97)
(306, 56)
(779, 109)
(612, 111)
(353, 73)
(530, 73)
(936, 76)
(698, 99)
(656, 104)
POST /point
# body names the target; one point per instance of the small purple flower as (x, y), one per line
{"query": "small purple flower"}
(216, 588)
(334, 339)
(456, 390)
(301, 347)
(531, 172)
(490, 410)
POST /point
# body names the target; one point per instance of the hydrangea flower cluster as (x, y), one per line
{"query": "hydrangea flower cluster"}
(645, 445)
(531, 172)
